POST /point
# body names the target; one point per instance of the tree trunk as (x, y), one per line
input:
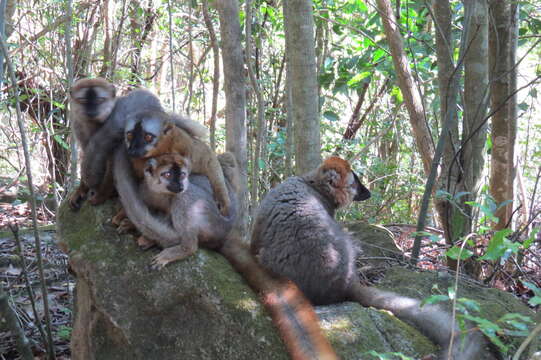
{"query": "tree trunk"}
(475, 102)
(216, 74)
(461, 170)
(406, 83)
(260, 126)
(301, 59)
(445, 46)
(502, 35)
(235, 91)
(290, 141)
(354, 121)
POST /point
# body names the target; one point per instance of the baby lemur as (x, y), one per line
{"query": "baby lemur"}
(296, 236)
(91, 103)
(153, 133)
(192, 219)
(164, 177)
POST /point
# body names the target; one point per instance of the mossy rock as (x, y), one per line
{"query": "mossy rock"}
(199, 308)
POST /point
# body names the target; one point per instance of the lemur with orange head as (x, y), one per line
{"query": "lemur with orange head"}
(295, 236)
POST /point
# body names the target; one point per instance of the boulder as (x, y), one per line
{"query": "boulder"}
(200, 308)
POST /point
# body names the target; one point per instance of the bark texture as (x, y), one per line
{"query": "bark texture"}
(502, 36)
(301, 61)
(475, 100)
(235, 90)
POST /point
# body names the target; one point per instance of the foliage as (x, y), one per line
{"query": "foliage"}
(501, 332)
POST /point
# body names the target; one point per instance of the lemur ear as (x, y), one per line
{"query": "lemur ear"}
(362, 192)
(168, 127)
(150, 166)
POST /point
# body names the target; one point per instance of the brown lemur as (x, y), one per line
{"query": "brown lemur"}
(101, 141)
(96, 172)
(164, 177)
(91, 102)
(296, 236)
(151, 133)
(193, 219)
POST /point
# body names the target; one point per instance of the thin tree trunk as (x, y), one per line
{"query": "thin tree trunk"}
(475, 103)
(445, 46)
(412, 97)
(504, 120)
(74, 155)
(216, 75)
(290, 143)
(235, 93)
(301, 58)
(261, 128)
(368, 110)
(354, 124)
(107, 41)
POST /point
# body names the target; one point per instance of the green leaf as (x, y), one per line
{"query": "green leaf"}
(64, 332)
(331, 116)
(523, 106)
(496, 246)
(59, 140)
(354, 81)
(490, 329)
(529, 241)
(470, 304)
(362, 6)
(536, 300)
(434, 299)
(454, 253)
(442, 194)
(378, 54)
(397, 94)
(533, 287)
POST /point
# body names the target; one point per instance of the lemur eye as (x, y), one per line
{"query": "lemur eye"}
(167, 174)
(100, 100)
(149, 137)
(129, 136)
(82, 100)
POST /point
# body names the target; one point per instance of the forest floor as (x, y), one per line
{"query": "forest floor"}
(60, 284)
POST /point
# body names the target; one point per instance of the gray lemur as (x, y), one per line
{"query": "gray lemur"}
(296, 236)
(192, 218)
(95, 171)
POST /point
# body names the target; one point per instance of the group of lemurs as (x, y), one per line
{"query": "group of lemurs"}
(179, 195)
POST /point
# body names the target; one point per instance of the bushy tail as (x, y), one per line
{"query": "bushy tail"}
(431, 320)
(149, 225)
(291, 312)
